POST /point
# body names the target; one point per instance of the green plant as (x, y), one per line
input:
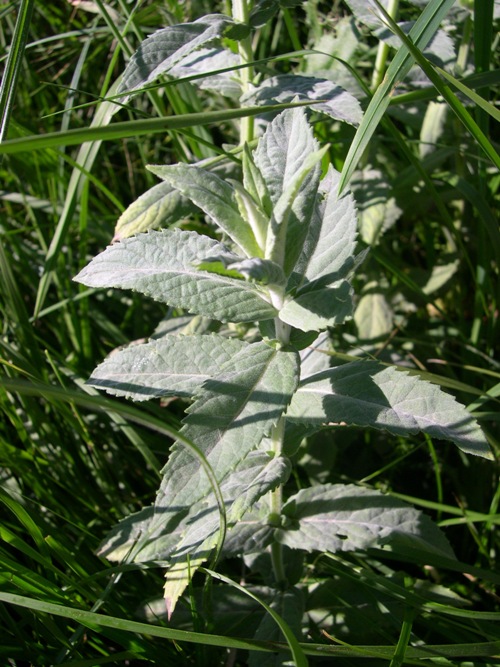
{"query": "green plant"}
(274, 273)
(75, 461)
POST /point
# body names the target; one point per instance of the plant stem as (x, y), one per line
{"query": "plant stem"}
(241, 13)
(276, 497)
(383, 51)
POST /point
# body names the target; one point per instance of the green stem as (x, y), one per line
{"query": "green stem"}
(241, 13)
(383, 51)
(276, 497)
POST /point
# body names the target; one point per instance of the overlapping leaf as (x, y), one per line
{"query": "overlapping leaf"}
(345, 517)
(170, 366)
(215, 197)
(366, 393)
(159, 206)
(162, 265)
(328, 251)
(324, 95)
(227, 421)
(280, 155)
(168, 47)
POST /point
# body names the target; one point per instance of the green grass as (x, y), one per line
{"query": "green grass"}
(74, 462)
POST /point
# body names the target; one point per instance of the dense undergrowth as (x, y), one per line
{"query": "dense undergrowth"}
(75, 461)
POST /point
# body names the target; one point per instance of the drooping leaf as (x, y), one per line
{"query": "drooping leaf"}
(318, 309)
(366, 393)
(228, 420)
(251, 534)
(345, 517)
(328, 250)
(160, 206)
(279, 157)
(335, 102)
(161, 265)
(167, 47)
(215, 197)
(170, 366)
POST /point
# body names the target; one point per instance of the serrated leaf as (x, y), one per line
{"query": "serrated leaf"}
(159, 206)
(176, 580)
(170, 366)
(328, 251)
(227, 421)
(319, 309)
(335, 102)
(215, 197)
(338, 517)
(166, 48)
(279, 157)
(258, 474)
(365, 393)
(160, 265)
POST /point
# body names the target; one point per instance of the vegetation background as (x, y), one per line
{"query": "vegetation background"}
(74, 462)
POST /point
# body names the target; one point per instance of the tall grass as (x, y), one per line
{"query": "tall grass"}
(73, 462)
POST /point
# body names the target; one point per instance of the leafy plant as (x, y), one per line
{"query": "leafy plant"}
(287, 253)
(261, 269)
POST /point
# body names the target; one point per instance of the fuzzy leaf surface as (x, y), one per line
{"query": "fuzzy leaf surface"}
(280, 156)
(161, 265)
(227, 421)
(336, 103)
(170, 366)
(319, 309)
(159, 206)
(328, 250)
(345, 517)
(167, 47)
(215, 198)
(366, 393)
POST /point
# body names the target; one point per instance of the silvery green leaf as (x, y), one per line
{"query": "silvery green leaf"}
(377, 208)
(170, 366)
(316, 357)
(251, 534)
(165, 48)
(160, 206)
(251, 213)
(258, 474)
(328, 250)
(433, 125)
(366, 393)
(319, 309)
(229, 418)
(205, 61)
(373, 317)
(338, 517)
(254, 182)
(160, 265)
(279, 157)
(335, 101)
(215, 197)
